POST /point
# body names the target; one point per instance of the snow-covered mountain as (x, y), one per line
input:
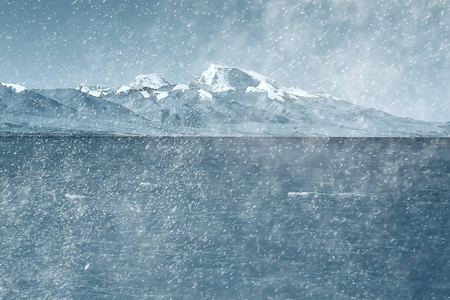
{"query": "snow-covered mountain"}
(152, 81)
(222, 101)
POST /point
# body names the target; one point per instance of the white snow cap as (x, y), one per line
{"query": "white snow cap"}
(17, 88)
(221, 78)
(216, 76)
(153, 81)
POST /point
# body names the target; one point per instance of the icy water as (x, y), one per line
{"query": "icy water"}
(248, 218)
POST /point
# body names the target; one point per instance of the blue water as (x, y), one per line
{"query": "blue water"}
(190, 218)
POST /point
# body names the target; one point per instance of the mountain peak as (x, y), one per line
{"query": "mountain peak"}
(153, 81)
(219, 78)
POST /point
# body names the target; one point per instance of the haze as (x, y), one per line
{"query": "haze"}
(390, 55)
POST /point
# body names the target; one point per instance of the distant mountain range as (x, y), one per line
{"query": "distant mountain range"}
(223, 101)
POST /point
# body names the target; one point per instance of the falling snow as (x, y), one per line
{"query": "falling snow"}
(381, 54)
(241, 149)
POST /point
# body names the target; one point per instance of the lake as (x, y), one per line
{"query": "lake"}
(224, 218)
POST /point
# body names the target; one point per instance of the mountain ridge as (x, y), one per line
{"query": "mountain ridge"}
(222, 101)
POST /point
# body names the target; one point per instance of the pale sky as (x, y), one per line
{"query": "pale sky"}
(390, 55)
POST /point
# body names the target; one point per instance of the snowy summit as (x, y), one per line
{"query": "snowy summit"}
(152, 81)
(222, 78)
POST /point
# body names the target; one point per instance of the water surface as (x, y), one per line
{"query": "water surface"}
(301, 218)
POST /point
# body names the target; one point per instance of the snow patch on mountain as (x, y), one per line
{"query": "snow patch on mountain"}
(94, 90)
(265, 87)
(145, 94)
(300, 93)
(204, 95)
(123, 89)
(181, 86)
(15, 87)
(161, 95)
(152, 81)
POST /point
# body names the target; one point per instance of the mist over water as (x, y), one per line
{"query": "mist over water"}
(224, 218)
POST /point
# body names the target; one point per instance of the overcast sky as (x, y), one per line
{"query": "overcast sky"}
(391, 55)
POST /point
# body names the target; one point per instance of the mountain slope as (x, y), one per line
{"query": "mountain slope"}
(222, 101)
